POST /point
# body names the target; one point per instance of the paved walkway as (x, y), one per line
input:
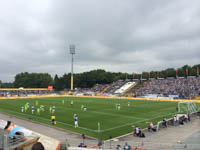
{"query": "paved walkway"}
(165, 139)
(73, 138)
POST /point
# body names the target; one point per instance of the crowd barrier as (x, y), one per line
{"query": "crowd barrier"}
(26, 139)
(10, 141)
(80, 148)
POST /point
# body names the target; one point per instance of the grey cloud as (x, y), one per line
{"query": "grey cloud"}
(129, 36)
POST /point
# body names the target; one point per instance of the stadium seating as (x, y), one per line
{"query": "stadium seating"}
(15, 92)
(183, 87)
(99, 87)
(114, 86)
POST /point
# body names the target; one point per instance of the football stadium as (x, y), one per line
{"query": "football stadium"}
(99, 75)
(105, 119)
(105, 114)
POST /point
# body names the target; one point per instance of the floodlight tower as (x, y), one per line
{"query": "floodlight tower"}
(72, 52)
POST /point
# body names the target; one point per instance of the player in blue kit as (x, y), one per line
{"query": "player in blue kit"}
(75, 120)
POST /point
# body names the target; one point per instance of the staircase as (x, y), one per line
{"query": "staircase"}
(105, 89)
(132, 91)
(127, 92)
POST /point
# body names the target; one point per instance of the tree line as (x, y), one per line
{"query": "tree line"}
(171, 72)
(29, 80)
(90, 78)
(87, 79)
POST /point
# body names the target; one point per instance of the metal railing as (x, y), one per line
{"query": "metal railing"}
(2, 138)
(7, 141)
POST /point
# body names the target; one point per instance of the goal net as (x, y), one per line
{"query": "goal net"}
(187, 107)
(183, 108)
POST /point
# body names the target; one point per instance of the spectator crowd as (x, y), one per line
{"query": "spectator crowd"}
(183, 87)
(115, 86)
(10, 93)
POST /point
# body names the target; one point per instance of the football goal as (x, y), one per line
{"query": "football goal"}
(187, 107)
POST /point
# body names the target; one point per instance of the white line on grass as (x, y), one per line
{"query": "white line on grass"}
(56, 121)
(116, 115)
(157, 111)
(163, 109)
(99, 113)
(134, 122)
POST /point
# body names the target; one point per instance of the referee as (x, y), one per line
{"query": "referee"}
(53, 120)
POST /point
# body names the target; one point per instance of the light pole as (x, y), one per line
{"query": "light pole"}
(72, 52)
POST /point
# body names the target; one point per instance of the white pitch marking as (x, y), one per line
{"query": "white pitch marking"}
(116, 115)
(134, 122)
(56, 121)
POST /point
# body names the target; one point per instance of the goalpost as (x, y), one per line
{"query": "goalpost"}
(187, 107)
(183, 108)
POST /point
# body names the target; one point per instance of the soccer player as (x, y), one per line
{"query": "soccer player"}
(50, 109)
(82, 107)
(53, 109)
(42, 107)
(72, 102)
(22, 108)
(85, 108)
(75, 120)
(118, 106)
(128, 104)
(33, 109)
(25, 107)
(38, 111)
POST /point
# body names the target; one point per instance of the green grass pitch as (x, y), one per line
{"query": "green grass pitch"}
(112, 122)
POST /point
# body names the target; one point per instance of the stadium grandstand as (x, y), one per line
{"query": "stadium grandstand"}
(175, 88)
(172, 88)
(15, 92)
(179, 133)
(114, 86)
(181, 129)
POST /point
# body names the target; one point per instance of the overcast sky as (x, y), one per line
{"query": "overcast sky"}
(115, 35)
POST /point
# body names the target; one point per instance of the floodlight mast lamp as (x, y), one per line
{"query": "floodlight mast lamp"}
(72, 52)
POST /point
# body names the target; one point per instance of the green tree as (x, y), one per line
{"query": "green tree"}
(33, 80)
(145, 75)
(7, 85)
(171, 72)
(181, 72)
